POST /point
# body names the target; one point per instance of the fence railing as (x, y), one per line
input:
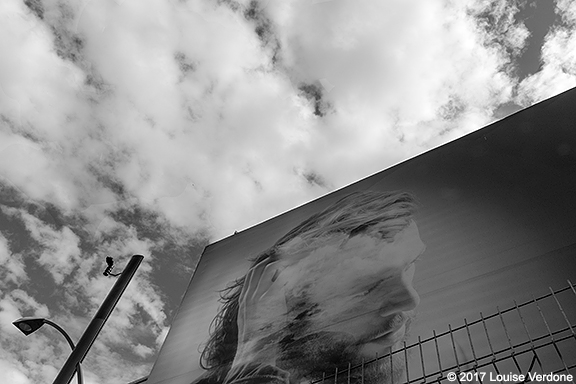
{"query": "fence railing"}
(514, 344)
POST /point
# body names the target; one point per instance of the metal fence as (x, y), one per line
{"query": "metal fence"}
(533, 337)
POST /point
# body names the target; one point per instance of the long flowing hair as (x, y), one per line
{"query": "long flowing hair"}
(381, 214)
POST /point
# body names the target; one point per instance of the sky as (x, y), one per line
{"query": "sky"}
(157, 127)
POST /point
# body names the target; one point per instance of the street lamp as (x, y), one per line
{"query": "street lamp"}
(30, 325)
(72, 364)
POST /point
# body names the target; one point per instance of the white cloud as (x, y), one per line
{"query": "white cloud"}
(176, 101)
(142, 350)
(11, 265)
(60, 248)
(398, 89)
(558, 59)
(10, 373)
(8, 313)
(162, 336)
(567, 10)
(14, 305)
(29, 304)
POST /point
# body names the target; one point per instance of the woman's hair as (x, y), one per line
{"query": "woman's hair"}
(381, 214)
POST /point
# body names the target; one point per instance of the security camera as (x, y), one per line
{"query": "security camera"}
(108, 270)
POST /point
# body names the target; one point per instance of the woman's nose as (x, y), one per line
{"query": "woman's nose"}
(402, 299)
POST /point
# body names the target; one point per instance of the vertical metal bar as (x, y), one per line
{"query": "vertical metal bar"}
(551, 336)
(524, 324)
(391, 367)
(489, 344)
(422, 359)
(487, 336)
(571, 286)
(536, 358)
(349, 366)
(563, 313)
(454, 347)
(530, 368)
(475, 366)
(406, 363)
(471, 345)
(362, 370)
(375, 361)
(438, 356)
(512, 352)
(93, 329)
(336, 376)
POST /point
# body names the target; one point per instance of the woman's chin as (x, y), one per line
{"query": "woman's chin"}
(384, 344)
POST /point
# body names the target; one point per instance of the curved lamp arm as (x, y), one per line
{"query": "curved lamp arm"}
(72, 345)
(29, 325)
(62, 331)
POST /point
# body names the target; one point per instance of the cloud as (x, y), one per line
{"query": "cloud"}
(59, 247)
(143, 350)
(167, 105)
(8, 313)
(29, 304)
(12, 267)
(558, 60)
(9, 373)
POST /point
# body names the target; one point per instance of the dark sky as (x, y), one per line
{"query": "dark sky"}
(539, 17)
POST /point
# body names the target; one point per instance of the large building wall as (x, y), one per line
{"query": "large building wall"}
(497, 214)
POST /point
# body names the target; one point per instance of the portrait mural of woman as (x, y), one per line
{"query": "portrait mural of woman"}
(335, 290)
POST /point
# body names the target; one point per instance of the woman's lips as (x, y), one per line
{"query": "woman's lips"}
(391, 336)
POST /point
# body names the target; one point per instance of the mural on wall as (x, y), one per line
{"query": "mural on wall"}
(335, 290)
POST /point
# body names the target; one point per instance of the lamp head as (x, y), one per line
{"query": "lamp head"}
(28, 325)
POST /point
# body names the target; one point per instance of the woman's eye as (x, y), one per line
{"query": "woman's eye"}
(370, 289)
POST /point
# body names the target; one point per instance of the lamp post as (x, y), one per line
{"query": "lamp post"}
(98, 321)
(30, 325)
(72, 364)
